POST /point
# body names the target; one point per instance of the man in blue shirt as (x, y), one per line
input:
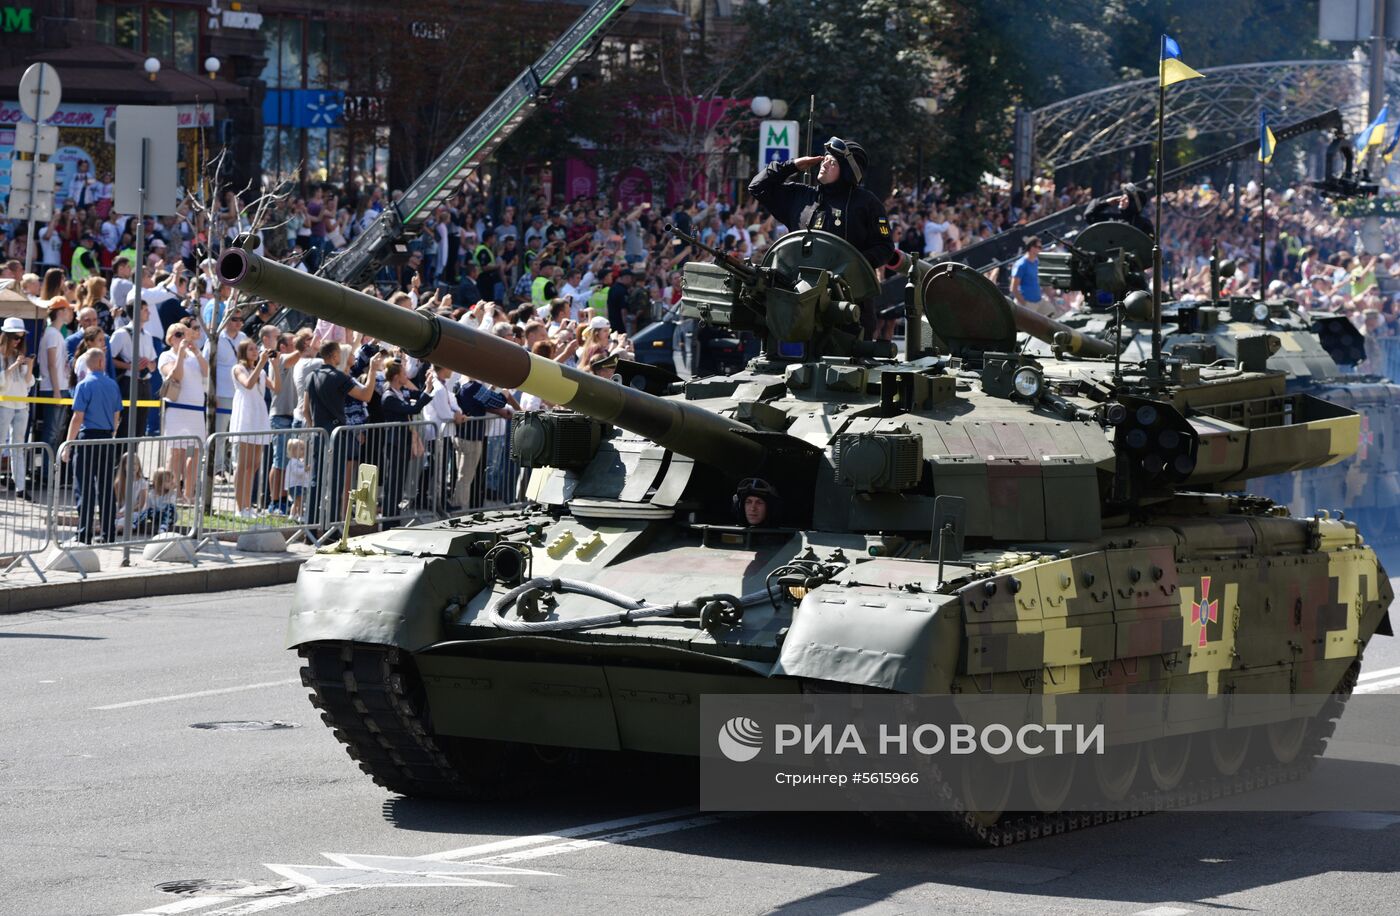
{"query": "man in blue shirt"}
(97, 410)
(1025, 279)
(476, 401)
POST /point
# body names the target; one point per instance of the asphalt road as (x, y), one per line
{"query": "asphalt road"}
(109, 792)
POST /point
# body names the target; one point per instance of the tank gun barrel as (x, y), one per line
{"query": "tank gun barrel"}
(1057, 333)
(1029, 321)
(684, 428)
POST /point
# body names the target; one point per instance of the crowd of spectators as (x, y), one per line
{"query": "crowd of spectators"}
(570, 280)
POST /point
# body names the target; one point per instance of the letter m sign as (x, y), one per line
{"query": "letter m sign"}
(18, 20)
(777, 140)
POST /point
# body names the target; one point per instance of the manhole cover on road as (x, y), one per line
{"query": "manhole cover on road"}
(253, 726)
(216, 887)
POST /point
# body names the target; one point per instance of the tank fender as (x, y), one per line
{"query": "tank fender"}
(905, 641)
(379, 599)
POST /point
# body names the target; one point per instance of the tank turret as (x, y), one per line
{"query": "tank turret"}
(1317, 352)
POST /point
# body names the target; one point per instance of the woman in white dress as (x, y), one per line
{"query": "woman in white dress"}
(15, 382)
(250, 384)
(185, 367)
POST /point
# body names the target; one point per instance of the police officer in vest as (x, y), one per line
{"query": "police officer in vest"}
(837, 204)
(489, 280)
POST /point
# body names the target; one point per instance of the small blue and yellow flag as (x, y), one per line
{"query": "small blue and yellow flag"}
(1266, 138)
(1389, 150)
(1373, 134)
(1172, 69)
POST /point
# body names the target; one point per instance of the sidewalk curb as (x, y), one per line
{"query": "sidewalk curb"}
(209, 576)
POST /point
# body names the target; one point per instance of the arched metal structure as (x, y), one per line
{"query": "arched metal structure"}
(1228, 99)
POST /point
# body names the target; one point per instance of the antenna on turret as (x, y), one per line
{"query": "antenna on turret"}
(811, 118)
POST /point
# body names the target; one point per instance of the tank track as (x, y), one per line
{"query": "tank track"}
(371, 698)
(959, 825)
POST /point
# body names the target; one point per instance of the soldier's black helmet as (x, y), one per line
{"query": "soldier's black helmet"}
(755, 486)
(1135, 196)
(852, 157)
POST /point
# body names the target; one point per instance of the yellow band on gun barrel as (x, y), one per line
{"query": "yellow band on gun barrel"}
(546, 381)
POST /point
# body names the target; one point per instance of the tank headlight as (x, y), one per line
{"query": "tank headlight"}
(1261, 312)
(1028, 382)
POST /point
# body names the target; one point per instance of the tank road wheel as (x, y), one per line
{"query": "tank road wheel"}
(1167, 760)
(1116, 769)
(986, 790)
(1286, 739)
(1048, 780)
(1229, 749)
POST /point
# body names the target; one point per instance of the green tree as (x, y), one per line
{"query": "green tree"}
(1001, 54)
(865, 61)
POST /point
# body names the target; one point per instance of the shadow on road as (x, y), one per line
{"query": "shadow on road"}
(1182, 856)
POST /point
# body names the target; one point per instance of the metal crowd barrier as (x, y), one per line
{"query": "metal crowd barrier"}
(253, 492)
(401, 452)
(474, 468)
(422, 475)
(26, 508)
(88, 493)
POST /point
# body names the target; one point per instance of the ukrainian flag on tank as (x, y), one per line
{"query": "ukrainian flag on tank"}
(1173, 70)
(1266, 138)
(1374, 133)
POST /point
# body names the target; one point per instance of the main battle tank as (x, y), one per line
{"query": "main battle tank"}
(1315, 352)
(1085, 511)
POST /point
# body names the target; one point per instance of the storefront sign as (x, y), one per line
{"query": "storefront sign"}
(235, 18)
(79, 114)
(304, 108)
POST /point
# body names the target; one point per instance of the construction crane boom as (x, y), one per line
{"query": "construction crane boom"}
(475, 145)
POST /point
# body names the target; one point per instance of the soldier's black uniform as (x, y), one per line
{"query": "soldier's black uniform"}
(1106, 208)
(842, 208)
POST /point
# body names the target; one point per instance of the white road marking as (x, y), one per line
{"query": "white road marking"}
(1377, 686)
(199, 693)
(449, 869)
(1163, 911)
(536, 840)
(1376, 675)
(185, 906)
(612, 839)
(245, 907)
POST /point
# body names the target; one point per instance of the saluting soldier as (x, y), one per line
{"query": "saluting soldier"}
(837, 204)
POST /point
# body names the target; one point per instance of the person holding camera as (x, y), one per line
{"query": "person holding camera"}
(250, 416)
(143, 363)
(183, 369)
